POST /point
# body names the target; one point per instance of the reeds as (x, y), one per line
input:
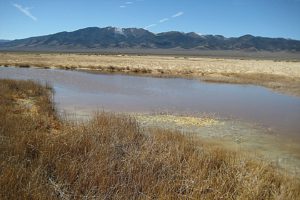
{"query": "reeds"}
(110, 157)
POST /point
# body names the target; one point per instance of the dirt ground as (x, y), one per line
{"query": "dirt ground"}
(283, 76)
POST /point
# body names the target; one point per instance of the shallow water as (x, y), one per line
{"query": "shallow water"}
(85, 93)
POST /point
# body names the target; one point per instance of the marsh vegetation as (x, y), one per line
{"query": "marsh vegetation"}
(111, 157)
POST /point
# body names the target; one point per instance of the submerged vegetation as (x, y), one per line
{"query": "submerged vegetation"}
(111, 157)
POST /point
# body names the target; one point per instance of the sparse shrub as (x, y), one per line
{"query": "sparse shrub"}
(24, 65)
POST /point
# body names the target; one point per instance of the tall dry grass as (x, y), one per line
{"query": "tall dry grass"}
(110, 157)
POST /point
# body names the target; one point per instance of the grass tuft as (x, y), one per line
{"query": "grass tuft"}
(110, 157)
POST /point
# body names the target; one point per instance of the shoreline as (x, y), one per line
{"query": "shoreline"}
(113, 149)
(231, 134)
(280, 76)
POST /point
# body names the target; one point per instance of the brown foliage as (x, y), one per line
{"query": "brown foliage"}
(110, 157)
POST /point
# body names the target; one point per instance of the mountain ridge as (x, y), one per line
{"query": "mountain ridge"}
(138, 38)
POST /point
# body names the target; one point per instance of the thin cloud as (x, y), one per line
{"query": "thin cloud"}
(150, 26)
(25, 11)
(163, 20)
(178, 14)
(129, 3)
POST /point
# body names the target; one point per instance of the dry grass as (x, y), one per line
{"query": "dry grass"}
(194, 66)
(279, 75)
(110, 157)
(176, 120)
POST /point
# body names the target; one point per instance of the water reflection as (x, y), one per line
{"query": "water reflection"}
(86, 92)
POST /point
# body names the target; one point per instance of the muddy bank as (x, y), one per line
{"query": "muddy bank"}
(282, 84)
(282, 76)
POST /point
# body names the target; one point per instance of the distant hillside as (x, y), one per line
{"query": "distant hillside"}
(134, 38)
(3, 41)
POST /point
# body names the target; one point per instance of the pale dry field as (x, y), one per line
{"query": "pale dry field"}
(282, 76)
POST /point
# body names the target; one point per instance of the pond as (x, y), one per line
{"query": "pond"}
(83, 93)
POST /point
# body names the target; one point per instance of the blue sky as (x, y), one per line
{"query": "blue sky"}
(271, 18)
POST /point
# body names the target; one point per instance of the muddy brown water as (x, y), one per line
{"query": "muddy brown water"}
(84, 93)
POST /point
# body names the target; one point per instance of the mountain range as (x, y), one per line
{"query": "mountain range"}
(3, 41)
(137, 38)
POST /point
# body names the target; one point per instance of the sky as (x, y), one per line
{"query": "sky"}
(231, 18)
